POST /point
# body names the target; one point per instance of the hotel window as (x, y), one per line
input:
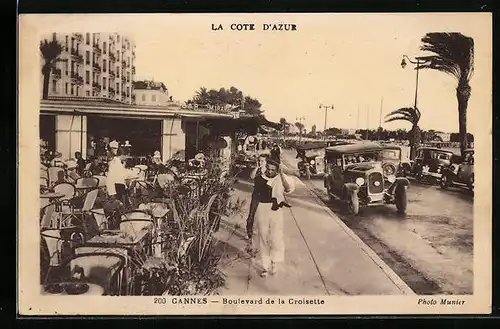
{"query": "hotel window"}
(110, 48)
(128, 76)
(117, 88)
(66, 43)
(104, 65)
(72, 90)
(53, 37)
(110, 68)
(54, 86)
(118, 55)
(66, 66)
(88, 92)
(117, 71)
(72, 43)
(87, 57)
(153, 98)
(104, 47)
(118, 38)
(87, 77)
(66, 88)
(143, 97)
(128, 60)
(77, 90)
(87, 38)
(104, 83)
(128, 91)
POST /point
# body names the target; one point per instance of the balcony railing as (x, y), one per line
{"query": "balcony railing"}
(56, 73)
(97, 49)
(133, 69)
(124, 79)
(112, 91)
(76, 78)
(76, 55)
(124, 63)
(96, 86)
(112, 74)
(97, 66)
(78, 36)
(112, 57)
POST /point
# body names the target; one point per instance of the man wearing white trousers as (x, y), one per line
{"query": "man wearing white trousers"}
(269, 215)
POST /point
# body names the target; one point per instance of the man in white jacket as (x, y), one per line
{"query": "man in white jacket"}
(117, 173)
(269, 215)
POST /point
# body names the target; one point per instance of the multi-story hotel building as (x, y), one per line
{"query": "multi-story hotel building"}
(94, 65)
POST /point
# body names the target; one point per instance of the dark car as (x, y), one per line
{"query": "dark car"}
(460, 172)
(392, 162)
(429, 163)
(311, 159)
(355, 175)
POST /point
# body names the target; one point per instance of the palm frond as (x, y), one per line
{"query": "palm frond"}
(405, 113)
(453, 54)
(398, 118)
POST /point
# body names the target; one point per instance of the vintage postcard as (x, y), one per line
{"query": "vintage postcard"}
(235, 164)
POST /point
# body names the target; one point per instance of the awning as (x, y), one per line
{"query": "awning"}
(249, 125)
(122, 110)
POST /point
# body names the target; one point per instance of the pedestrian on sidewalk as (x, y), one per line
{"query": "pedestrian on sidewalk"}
(269, 215)
(256, 176)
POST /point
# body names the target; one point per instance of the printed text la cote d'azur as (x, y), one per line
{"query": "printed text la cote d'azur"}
(253, 27)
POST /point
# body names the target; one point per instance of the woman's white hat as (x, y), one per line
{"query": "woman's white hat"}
(157, 154)
(199, 157)
(113, 144)
(127, 144)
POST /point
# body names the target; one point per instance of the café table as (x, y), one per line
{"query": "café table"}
(52, 196)
(94, 290)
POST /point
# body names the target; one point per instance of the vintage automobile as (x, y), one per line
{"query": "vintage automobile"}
(429, 163)
(311, 159)
(393, 162)
(460, 173)
(354, 175)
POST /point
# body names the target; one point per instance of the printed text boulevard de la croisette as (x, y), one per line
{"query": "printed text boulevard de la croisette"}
(253, 27)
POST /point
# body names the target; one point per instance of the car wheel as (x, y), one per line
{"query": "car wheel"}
(471, 183)
(445, 183)
(353, 203)
(400, 199)
(308, 173)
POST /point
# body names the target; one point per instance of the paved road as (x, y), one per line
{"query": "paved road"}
(430, 248)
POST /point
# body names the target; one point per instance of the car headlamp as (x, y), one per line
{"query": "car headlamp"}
(391, 178)
(376, 183)
(360, 181)
(311, 162)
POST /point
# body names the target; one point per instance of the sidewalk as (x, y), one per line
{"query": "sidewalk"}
(323, 256)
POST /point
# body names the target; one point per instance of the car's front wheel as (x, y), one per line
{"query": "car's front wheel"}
(353, 203)
(445, 183)
(400, 199)
(471, 184)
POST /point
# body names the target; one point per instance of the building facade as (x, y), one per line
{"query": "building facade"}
(93, 65)
(148, 92)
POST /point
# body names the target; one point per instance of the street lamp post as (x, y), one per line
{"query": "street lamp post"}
(416, 62)
(326, 107)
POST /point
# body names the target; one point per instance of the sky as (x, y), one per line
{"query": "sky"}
(350, 61)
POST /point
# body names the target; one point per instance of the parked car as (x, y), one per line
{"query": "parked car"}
(460, 172)
(311, 159)
(429, 163)
(354, 175)
(393, 162)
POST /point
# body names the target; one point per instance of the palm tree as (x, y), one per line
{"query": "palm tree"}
(453, 53)
(50, 51)
(412, 115)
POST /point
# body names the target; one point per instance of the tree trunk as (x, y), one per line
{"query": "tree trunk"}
(463, 95)
(414, 138)
(46, 78)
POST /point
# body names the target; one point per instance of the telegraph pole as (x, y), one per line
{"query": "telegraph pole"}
(367, 121)
(380, 117)
(326, 107)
